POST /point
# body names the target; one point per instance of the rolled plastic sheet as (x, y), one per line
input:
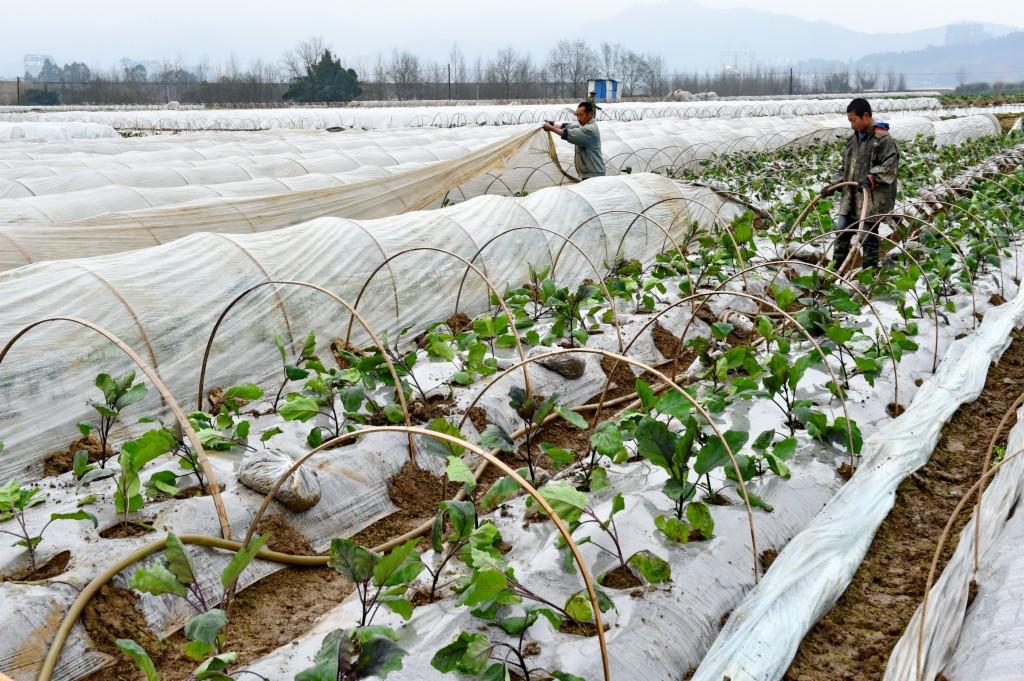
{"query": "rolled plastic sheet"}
(51, 131)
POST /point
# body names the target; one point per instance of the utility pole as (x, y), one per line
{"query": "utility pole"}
(449, 82)
(790, 81)
(18, 86)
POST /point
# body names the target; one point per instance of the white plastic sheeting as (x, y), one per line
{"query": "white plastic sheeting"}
(77, 223)
(50, 131)
(983, 640)
(764, 632)
(452, 116)
(163, 301)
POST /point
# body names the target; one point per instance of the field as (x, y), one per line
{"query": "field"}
(406, 400)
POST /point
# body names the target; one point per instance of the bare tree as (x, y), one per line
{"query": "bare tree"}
(655, 75)
(890, 80)
(866, 79)
(405, 73)
(303, 56)
(630, 68)
(837, 82)
(523, 75)
(611, 58)
(572, 62)
(502, 70)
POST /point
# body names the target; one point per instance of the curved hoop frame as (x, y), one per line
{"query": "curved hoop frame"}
(165, 394)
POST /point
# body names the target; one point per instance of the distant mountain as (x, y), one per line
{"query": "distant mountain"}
(692, 37)
(999, 59)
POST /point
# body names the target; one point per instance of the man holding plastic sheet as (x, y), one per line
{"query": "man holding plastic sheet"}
(872, 160)
(586, 137)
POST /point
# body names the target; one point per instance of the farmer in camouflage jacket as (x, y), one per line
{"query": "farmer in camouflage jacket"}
(872, 160)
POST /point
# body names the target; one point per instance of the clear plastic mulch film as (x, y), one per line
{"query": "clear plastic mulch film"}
(125, 206)
(764, 632)
(469, 114)
(965, 640)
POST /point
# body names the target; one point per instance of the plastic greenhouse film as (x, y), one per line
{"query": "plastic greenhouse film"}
(55, 226)
(163, 301)
(451, 116)
(764, 632)
(979, 640)
(46, 131)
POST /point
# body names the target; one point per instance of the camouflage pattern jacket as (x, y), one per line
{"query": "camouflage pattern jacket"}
(877, 155)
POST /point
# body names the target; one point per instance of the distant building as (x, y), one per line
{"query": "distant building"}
(604, 89)
(965, 34)
(34, 64)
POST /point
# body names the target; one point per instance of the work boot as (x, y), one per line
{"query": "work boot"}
(870, 248)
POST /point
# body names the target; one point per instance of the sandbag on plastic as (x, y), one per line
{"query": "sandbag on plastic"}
(260, 471)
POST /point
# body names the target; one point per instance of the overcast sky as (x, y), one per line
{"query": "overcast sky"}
(100, 32)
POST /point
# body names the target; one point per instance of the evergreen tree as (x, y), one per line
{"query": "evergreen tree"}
(325, 81)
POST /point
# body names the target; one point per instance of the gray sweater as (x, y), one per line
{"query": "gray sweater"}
(587, 138)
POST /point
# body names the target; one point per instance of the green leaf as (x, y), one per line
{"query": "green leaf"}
(244, 391)
(213, 668)
(139, 656)
(560, 457)
(80, 464)
(137, 453)
(378, 656)
(439, 447)
(400, 606)
(837, 432)
(700, 518)
(162, 482)
(496, 672)
(646, 395)
(87, 500)
(578, 606)
(721, 330)
(656, 443)
(485, 586)
(563, 676)
(269, 433)
(468, 653)
(399, 567)
(294, 373)
(607, 440)
(203, 630)
(785, 449)
(178, 561)
(572, 417)
(565, 500)
(458, 471)
(714, 454)
(241, 560)
(502, 489)
(298, 408)
(352, 560)
(77, 515)
(653, 568)
(778, 466)
(674, 403)
(157, 580)
(495, 437)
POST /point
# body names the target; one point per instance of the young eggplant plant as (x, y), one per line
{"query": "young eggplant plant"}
(293, 371)
(480, 657)
(15, 499)
(118, 394)
(573, 507)
(175, 575)
(532, 410)
(134, 456)
(381, 580)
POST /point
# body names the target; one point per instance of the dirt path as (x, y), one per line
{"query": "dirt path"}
(853, 641)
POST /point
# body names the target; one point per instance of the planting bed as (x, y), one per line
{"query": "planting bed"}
(678, 396)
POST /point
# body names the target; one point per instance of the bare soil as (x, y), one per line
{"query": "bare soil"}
(57, 565)
(267, 615)
(123, 530)
(620, 578)
(416, 493)
(63, 461)
(853, 641)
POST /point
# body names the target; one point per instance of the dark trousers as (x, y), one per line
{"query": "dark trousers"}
(869, 244)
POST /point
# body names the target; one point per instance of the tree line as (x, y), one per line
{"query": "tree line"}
(312, 73)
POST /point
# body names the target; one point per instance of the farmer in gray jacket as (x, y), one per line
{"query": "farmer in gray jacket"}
(872, 160)
(586, 137)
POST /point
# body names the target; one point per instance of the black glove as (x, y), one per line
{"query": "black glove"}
(868, 182)
(828, 191)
